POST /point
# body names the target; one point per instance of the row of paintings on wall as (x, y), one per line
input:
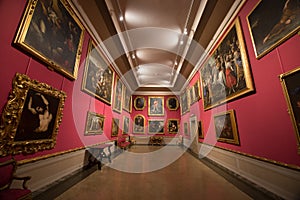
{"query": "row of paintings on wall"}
(155, 104)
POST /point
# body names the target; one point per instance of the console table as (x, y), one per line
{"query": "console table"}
(156, 140)
(97, 153)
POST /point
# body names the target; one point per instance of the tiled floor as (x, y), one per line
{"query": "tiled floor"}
(173, 174)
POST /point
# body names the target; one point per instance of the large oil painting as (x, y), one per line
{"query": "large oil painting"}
(273, 22)
(226, 74)
(31, 117)
(98, 77)
(52, 33)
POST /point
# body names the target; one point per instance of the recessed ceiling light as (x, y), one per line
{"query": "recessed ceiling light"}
(121, 18)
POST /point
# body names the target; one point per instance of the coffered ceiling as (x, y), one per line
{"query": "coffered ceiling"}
(155, 46)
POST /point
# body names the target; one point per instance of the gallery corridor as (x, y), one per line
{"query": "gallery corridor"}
(185, 178)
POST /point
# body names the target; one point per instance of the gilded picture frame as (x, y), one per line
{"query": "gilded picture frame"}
(127, 100)
(226, 127)
(156, 106)
(172, 103)
(51, 32)
(98, 76)
(185, 102)
(156, 126)
(173, 126)
(196, 91)
(272, 23)
(115, 127)
(139, 103)
(31, 117)
(118, 95)
(126, 124)
(291, 89)
(139, 124)
(94, 124)
(226, 74)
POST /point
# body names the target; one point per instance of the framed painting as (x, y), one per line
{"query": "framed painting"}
(226, 75)
(191, 95)
(173, 126)
(31, 117)
(51, 32)
(200, 131)
(193, 126)
(139, 103)
(156, 106)
(139, 124)
(226, 128)
(186, 129)
(118, 96)
(184, 102)
(115, 127)
(172, 103)
(291, 88)
(98, 77)
(127, 100)
(196, 91)
(94, 124)
(271, 23)
(125, 125)
(156, 126)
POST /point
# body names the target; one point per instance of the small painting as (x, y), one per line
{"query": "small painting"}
(139, 124)
(126, 125)
(94, 124)
(127, 100)
(115, 127)
(173, 126)
(139, 103)
(184, 102)
(117, 106)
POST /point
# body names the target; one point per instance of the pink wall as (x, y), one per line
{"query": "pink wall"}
(169, 114)
(264, 126)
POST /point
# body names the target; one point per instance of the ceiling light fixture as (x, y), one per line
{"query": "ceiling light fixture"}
(121, 18)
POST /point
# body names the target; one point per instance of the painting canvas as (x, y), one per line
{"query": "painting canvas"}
(139, 103)
(115, 127)
(185, 128)
(98, 77)
(118, 96)
(94, 123)
(226, 74)
(184, 102)
(127, 100)
(226, 128)
(126, 125)
(139, 124)
(173, 126)
(291, 88)
(156, 106)
(200, 130)
(273, 22)
(156, 126)
(31, 117)
(172, 103)
(51, 32)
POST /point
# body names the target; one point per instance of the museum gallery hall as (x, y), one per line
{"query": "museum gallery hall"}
(136, 99)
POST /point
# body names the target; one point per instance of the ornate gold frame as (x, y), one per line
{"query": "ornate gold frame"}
(115, 127)
(118, 95)
(185, 102)
(136, 101)
(170, 126)
(94, 127)
(56, 40)
(127, 100)
(156, 131)
(160, 110)
(123, 128)
(176, 101)
(138, 128)
(291, 88)
(228, 132)
(15, 136)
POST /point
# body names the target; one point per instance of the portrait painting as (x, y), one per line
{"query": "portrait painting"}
(139, 124)
(184, 102)
(173, 126)
(127, 100)
(118, 95)
(31, 116)
(156, 106)
(172, 103)
(94, 123)
(115, 127)
(226, 128)
(98, 76)
(226, 74)
(291, 89)
(156, 126)
(139, 103)
(52, 33)
(196, 91)
(273, 22)
(126, 124)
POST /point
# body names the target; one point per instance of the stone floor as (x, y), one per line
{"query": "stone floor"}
(150, 172)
